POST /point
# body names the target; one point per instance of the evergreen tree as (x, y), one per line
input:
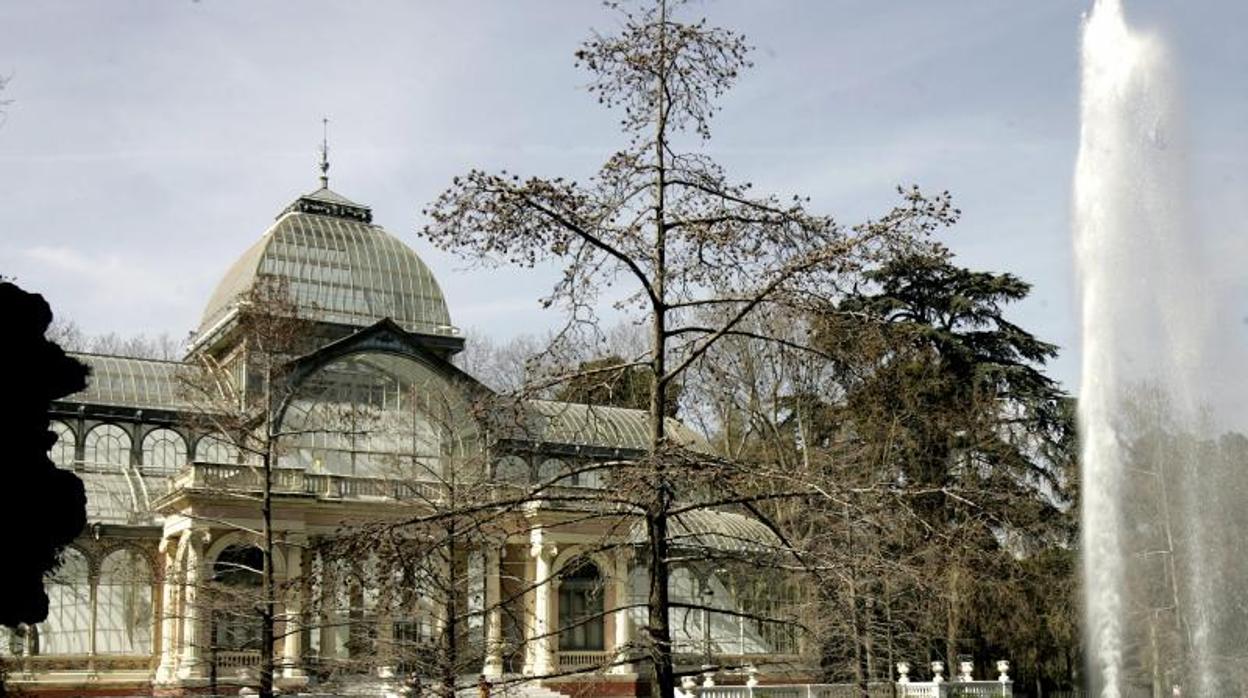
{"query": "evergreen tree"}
(947, 402)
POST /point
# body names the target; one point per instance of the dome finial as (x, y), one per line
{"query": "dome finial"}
(324, 153)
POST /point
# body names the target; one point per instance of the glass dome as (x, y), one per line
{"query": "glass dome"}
(339, 267)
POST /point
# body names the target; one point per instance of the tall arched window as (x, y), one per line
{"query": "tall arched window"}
(62, 452)
(164, 450)
(123, 604)
(107, 444)
(216, 449)
(381, 415)
(68, 627)
(236, 624)
(580, 606)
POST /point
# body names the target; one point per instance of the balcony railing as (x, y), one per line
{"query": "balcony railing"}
(235, 477)
(960, 689)
(237, 659)
(582, 659)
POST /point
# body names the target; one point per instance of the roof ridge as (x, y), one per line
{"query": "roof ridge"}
(104, 355)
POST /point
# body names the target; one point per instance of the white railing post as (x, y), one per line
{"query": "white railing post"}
(708, 676)
(964, 671)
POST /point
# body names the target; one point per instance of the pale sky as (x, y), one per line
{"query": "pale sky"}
(147, 144)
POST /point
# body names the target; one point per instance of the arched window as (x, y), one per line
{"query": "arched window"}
(68, 627)
(236, 623)
(580, 606)
(107, 444)
(550, 470)
(216, 449)
(164, 450)
(62, 452)
(123, 604)
(513, 470)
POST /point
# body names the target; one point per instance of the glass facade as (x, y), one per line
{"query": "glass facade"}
(123, 604)
(380, 415)
(68, 627)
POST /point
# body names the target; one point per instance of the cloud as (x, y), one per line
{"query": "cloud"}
(106, 291)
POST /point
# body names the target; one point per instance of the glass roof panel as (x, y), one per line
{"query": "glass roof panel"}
(576, 424)
(127, 382)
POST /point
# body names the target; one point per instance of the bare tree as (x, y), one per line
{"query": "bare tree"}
(233, 395)
(71, 336)
(504, 366)
(669, 226)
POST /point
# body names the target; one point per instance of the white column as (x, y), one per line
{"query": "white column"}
(189, 666)
(168, 614)
(493, 614)
(622, 617)
(93, 597)
(332, 618)
(292, 635)
(543, 553)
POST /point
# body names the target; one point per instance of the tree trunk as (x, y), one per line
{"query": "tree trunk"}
(868, 637)
(855, 627)
(657, 516)
(268, 605)
(855, 618)
(267, 610)
(952, 622)
(892, 650)
(450, 650)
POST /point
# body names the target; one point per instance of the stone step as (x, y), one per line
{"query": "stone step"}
(512, 687)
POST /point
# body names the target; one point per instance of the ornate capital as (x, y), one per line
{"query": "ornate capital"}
(539, 548)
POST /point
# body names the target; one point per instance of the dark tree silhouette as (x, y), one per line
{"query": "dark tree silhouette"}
(41, 506)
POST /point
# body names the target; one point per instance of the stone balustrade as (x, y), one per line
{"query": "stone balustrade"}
(294, 481)
(963, 685)
(583, 659)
